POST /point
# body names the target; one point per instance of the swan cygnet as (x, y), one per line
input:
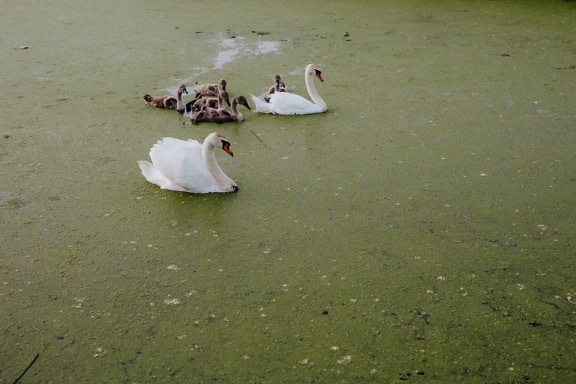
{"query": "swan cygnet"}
(279, 86)
(167, 102)
(221, 115)
(188, 166)
(206, 101)
(181, 89)
(214, 90)
(286, 103)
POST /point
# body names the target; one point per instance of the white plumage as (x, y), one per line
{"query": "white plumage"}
(188, 166)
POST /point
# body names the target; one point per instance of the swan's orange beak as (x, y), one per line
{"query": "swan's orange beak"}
(319, 75)
(226, 148)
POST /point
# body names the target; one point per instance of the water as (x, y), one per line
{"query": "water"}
(419, 231)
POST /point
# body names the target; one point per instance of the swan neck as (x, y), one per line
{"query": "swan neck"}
(311, 87)
(235, 112)
(179, 106)
(212, 164)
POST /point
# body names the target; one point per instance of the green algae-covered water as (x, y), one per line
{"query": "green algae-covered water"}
(420, 231)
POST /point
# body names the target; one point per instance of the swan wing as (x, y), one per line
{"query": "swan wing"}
(285, 103)
(154, 176)
(181, 166)
(261, 105)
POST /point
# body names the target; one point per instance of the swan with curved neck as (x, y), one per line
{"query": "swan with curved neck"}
(220, 115)
(285, 103)
(188, 166)
(181, 89)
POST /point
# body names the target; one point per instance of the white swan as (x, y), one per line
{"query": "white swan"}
(285, 103)
(188, 166)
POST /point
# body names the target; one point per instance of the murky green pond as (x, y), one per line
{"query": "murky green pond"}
(420, 231)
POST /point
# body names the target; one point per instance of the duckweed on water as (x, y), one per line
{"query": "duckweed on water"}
(420, 231)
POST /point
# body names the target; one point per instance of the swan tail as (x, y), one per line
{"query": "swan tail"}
(261, 105)
(154, 176)
(149, 171)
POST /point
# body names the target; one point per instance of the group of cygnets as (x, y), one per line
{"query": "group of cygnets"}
(187, 165)
(207, 105)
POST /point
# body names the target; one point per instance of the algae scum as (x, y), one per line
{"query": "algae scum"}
(420, 231)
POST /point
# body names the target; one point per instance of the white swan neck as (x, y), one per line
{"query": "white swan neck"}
(311, 87)
(212, 164)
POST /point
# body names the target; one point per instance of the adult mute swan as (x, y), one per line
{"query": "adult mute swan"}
(188, 166)
(285, 103)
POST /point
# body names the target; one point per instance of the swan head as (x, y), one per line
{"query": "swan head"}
(217, 140)
(312, 70)
(277, 80)
(182, 89)
(242, 101)
(226, 147)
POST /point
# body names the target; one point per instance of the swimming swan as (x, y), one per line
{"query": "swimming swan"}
(179, 105)
(278, 86)
(220, 115)
(196, 105)
(188, 166)
(285, 103)
(215, 90)
(167, 102)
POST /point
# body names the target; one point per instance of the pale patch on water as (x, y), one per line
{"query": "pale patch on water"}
(171, 301)
(229, 49)
(232, 48)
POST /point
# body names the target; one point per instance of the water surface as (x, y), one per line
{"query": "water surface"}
(419, 231)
